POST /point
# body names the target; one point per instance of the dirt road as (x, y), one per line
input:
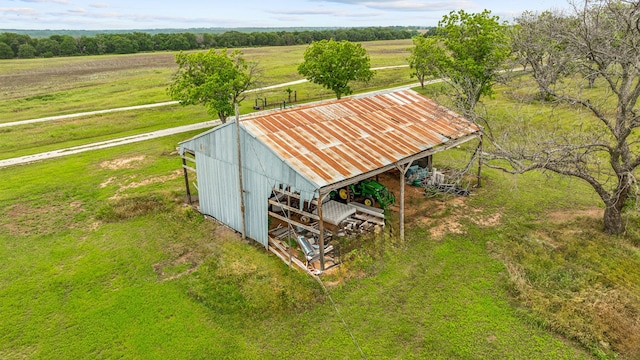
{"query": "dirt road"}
(128, 139)
(106, 144)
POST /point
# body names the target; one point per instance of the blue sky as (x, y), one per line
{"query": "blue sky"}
(144, 14)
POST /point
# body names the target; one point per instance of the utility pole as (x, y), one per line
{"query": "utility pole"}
(244, 226)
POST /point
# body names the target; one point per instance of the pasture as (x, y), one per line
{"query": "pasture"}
(101, 259)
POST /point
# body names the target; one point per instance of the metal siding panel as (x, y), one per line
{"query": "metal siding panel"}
(256, 206)
(218, 192)
(262, 169)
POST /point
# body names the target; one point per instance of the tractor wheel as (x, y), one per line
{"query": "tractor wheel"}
(343, 193)
(369, 201)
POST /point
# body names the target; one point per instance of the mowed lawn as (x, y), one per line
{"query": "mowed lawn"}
(100, 259)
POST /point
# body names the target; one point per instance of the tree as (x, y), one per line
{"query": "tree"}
(467, 52)
(422, 58)
(120, 44)
(88, 45)
(602, 149)
(334, 64)
(6, 52)
(289, 91)
(68, 46)
(535, 45)
(144, 41)
(26, 51)
(15, 40)
(177, 42)
(48, 47)
(216, 80)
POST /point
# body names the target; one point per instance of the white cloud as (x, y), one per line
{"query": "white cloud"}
(61, 2)
(19, 11)
(100, 5)
(406, 5)
(330, 12)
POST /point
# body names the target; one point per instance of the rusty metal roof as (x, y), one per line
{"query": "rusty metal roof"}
(336, 140)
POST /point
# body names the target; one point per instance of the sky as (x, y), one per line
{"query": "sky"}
(183, 14)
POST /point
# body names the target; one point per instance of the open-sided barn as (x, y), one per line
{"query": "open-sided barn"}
(313, 149)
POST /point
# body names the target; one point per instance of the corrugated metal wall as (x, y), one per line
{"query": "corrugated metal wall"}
(217, 172)
(218, 190)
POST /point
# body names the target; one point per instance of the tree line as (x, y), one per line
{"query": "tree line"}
(13, 45)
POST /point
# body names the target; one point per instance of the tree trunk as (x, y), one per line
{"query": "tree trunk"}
(542, 94)
(613, 220)
(613, 211)
(614, 206)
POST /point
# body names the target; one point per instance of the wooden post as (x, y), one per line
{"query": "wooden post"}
(288, 228)
(186, 178)
(244, 226)
(403, 170)
(480, 160)
(290, 255)
(321, 228)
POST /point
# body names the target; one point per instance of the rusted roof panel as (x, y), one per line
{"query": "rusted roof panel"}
(336, 140)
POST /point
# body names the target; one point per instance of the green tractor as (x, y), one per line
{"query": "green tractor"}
(370, 191)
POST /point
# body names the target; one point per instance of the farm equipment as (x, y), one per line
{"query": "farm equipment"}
(432, 181)
(370, 191)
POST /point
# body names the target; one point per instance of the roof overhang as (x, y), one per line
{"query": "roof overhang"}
(406, 161)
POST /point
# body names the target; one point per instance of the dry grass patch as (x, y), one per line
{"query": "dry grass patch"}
(122, 163)
(148, 181)
(447, 214)
(129, 207)
(128, 182)
(564, 216)
(183, 258)
(29, 219)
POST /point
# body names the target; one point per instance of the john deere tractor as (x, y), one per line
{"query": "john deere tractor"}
(369, 192)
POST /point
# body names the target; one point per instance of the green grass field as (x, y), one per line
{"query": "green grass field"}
(101, 259)
(38, 88)
(34, 88)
